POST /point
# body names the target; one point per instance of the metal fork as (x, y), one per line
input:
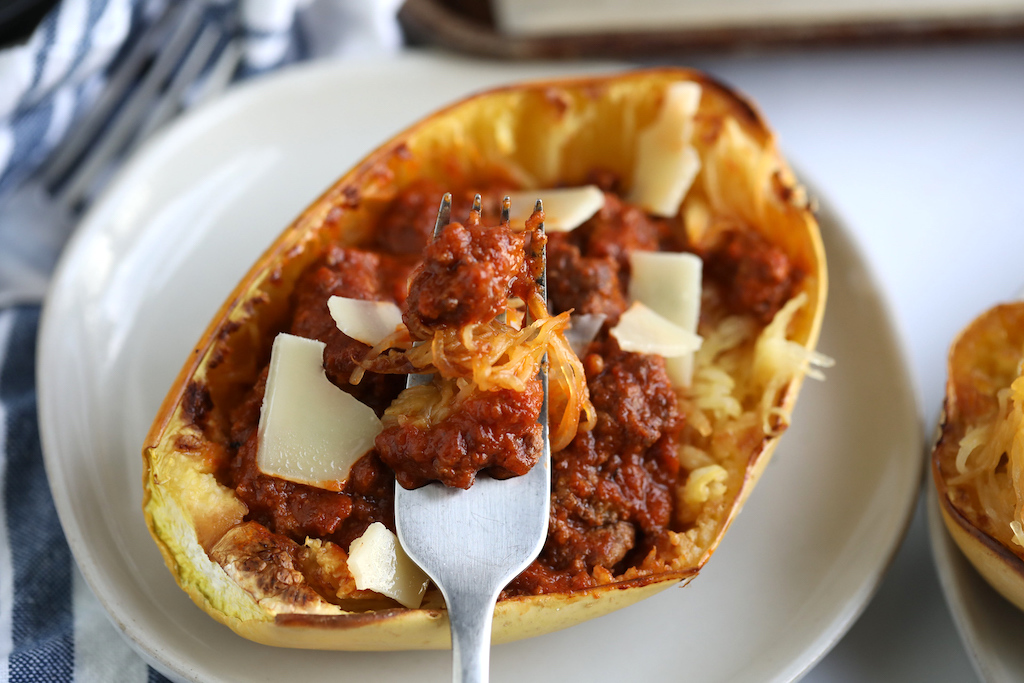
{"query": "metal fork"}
(146, 89)
(471, 543)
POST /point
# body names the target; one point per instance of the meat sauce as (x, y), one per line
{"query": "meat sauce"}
(613, 486)
(467, 275)
(496, 431)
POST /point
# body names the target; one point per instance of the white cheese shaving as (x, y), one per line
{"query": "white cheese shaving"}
(366, 321)
(641, 330)
(1018, 532)
(666, 163)
(565, 208)
(310, 431)
(378, 563)
(669, 283)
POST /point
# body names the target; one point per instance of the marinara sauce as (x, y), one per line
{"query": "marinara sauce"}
(613, 486)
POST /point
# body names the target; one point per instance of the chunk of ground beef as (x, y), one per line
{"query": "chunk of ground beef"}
(611, 487)
(754, 276)
(583, 284)
(299, 511)
(490, 430)
(619, 228)
(465, 278)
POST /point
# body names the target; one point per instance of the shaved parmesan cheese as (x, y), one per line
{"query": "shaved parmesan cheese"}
(565, 208)
(641, 330)
(310, 431)
(582, 330)
(670, 285)
(666, 162)
(366, 321)
(379, 564)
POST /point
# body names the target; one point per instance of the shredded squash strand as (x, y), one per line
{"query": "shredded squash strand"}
(980, 460)
(494, 355)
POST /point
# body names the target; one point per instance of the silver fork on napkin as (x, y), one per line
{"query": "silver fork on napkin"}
(143, 91)
(472, 542)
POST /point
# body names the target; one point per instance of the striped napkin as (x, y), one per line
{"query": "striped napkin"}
(51, 626)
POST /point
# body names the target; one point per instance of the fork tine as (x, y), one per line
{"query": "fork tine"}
(444, 214)
(542, 257)
(539, 262)
(540, 274)
(78, 184)
(474, 214)
(506, 210)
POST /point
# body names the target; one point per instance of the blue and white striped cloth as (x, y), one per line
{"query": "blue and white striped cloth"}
(46, 83)
(51, 626)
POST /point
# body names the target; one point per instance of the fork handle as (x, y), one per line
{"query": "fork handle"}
(471, 612)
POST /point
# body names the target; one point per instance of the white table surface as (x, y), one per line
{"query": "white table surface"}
(921, 151)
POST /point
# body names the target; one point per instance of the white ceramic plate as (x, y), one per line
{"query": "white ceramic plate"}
(189, 214)
(989, 625)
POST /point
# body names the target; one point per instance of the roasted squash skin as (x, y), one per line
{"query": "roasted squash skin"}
(983, 359)
(539, 134)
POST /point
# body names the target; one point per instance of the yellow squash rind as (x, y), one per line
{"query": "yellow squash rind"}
(984, 358)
